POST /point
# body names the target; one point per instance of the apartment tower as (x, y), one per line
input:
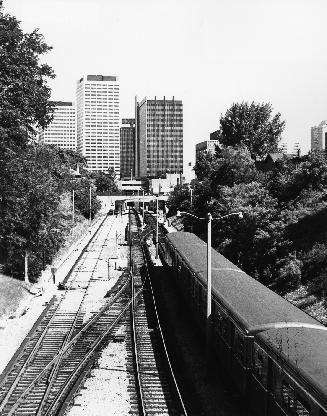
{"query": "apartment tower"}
(62, 130)
(127, 148)
(98, 122)
(159, 137)
(319, 137)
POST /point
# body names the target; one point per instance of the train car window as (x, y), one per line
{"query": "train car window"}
(169, 255)
(288, 396)
(224, 329)
(271, 376)
(179, 266)
(191, 279)
(217, 320)
(239, 346)
(302, 407)
(199, 295)
(259, 364)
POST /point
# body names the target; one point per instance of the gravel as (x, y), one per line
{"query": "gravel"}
(105, 391)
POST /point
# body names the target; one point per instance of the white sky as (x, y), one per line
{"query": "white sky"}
(209, 53)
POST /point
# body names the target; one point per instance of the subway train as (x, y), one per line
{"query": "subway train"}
(275, 353)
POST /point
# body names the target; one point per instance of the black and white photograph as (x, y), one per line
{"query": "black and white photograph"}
(163, 208)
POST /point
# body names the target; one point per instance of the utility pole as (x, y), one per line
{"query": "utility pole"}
(73, 212)
(143, 210)
(90, 203)
(26, 267)
(208, 321)
(157, 230)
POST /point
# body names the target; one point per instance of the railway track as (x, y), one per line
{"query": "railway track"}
(79, 323)
(72, 330)
(157, 391)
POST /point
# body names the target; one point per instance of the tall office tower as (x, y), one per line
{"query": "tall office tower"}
(296, 149)
(208, 146)
(98, 122)
(319, 137)
(62, 130)
(127, 148)
(159, 137)
(283, 148)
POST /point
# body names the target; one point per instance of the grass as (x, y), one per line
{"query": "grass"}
(12, 294)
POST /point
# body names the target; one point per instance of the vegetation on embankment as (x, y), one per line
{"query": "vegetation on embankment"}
(36, 181)
(282, 239)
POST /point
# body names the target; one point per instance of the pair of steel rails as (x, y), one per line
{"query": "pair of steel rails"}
(46, 392)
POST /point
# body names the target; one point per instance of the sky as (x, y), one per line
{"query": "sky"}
(208, 53)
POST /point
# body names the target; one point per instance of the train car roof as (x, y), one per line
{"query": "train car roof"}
(305, 350)
(254, 304)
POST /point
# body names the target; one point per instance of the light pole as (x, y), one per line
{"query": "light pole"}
(90, 203)
(73, 212)
(157, 229)
(209, 280)
(191, 191)
(76, 175)
(143, 210)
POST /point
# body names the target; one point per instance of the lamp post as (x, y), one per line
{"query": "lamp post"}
(90, 203)
(76, 174)
(209, 219)
(73, 212)
(157, 230)
(143, 210)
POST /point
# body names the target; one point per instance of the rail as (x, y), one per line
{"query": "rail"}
(174, 383)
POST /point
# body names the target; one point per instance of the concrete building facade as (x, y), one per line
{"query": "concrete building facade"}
(127, 148)
(319, 137)
(159, 137)
(296, 149)
(208, 146)
(283, 148)
(98, 134)
(61, 131)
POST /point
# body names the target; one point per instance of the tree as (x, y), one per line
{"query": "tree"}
(233, 166)
(251, 126)
(104, 183)
(205, 164)
(30, 220)
(179, 199)
(315, 269)
(24, 92)
(82, 197)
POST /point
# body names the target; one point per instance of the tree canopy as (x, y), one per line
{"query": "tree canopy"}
(24, 89)
(36, 180)
(252, 126)
(282, 238)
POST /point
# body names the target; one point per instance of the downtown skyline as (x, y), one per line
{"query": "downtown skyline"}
(208, 56)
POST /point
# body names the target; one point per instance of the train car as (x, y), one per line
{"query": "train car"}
(119, 206)
(275, 353)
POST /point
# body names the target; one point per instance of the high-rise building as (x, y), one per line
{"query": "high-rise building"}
(283, 148)
(215, 135)
(127, 148)
(62, 130)
(98, 137)
(319, 137)
(208, 146)
(296, 149)
(159, 137)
